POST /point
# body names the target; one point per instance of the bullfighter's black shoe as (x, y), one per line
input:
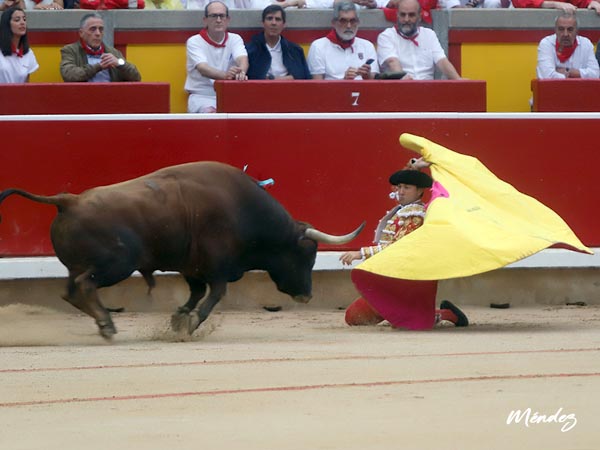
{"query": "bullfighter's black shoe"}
(462, 318)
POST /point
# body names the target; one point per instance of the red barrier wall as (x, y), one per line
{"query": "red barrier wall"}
(350, 96)
(570, 95)
(329, 170)
(84, 98)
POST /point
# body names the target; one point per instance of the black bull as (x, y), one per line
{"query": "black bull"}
(206, 220)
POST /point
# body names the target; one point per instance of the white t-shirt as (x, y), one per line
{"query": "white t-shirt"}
(220, 58)
(16, 70)
(583, 59)
(331, 60)
(277, 68)
(30, 4)
(419, 61)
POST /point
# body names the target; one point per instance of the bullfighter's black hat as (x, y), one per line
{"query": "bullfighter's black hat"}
(414, 177)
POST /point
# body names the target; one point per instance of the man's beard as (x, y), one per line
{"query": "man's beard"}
(408, 29)
(347, 36)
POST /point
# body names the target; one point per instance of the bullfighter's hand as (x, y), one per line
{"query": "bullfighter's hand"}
(348, 257)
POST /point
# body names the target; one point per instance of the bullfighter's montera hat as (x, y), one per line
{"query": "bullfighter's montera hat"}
(414, 177)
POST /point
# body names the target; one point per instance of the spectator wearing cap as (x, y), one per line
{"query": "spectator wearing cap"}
(408, 187)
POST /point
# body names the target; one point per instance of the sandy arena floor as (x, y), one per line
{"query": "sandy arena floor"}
(299, 379)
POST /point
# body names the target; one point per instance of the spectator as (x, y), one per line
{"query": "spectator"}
(5, 4)
(270, 55)
(44, 4)
(164, 4)
(111, 4)
(570, 5)
(17, 60)
(213, 54)
(408, 47)
(408, 186)
(230, 4)
(564, 54)
(341, 55)
(90, 59)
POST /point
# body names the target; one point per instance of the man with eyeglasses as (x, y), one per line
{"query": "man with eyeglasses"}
(341, 55)
(410, 48)
(213, 54)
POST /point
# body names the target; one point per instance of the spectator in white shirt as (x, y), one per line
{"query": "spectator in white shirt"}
(564, 54)
(341, 55)
(408, 47)
(213, 54)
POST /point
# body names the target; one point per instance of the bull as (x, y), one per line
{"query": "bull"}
(206, 220)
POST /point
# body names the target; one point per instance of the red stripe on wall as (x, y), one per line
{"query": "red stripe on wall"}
(180, 36)
(52, 37)
(509, 36)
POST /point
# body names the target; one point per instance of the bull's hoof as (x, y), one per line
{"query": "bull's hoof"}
(107, 330)
(180, 321)
(194, 322)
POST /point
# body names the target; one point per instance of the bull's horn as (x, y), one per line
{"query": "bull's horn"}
(325, 238)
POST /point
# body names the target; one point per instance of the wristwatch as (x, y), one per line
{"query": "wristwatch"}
(120, 62)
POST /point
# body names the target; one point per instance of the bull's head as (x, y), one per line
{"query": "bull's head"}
(292, 274)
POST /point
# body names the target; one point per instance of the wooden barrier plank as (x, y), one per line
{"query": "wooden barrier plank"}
(566, 95)
(329, 169)
(84, 98)
(283, 96)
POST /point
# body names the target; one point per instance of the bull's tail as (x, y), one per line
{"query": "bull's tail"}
(61, 201)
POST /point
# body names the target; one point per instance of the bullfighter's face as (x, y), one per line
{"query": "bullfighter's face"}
(566, 31)
(407, 193)
(92, 32)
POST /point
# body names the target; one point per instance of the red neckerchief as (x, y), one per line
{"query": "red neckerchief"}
(17, 51)
(37, 2)
(204, 34)
(89, 50)
(566, 51)
(412, 38)
(333, 37)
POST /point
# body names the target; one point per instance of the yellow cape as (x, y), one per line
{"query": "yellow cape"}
(483, 224)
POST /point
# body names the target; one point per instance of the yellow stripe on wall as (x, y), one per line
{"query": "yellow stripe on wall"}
(48, 57)
(508, 70)
(163, 63)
